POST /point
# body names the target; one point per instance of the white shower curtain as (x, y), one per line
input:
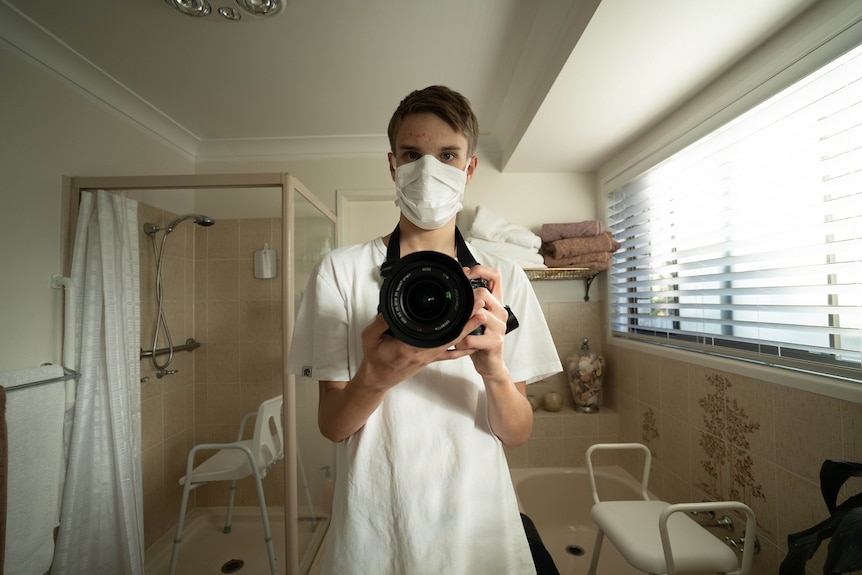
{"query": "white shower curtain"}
(101, 521)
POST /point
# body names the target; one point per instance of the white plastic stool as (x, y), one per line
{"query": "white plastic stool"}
(235, 461)
(657, 537)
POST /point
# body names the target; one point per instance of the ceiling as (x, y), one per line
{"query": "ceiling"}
(557, 85)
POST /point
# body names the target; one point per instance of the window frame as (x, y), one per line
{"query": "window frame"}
(818, 36)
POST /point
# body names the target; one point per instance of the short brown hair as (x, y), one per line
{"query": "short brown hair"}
(446, 104)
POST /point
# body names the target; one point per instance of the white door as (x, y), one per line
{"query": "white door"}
(365, 214)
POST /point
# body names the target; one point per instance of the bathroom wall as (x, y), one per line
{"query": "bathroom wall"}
(714, 434)
(167, 404)
(718, 435)
(238, 320)
(560, 439)
(724, 429)
(528, 199)
(52, 129)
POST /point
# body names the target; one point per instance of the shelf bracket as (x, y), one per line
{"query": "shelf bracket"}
(588, 281)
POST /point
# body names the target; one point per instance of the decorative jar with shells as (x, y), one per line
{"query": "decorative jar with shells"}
(586, 371)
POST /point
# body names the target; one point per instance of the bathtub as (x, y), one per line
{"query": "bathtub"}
(558, 500)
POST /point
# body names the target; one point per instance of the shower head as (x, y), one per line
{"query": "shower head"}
(199, 219)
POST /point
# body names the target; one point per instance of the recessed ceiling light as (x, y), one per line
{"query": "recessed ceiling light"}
(229, 13)
(191, 7)
(260, 7)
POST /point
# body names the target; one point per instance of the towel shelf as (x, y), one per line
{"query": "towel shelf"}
(586, 274)
(189, 345)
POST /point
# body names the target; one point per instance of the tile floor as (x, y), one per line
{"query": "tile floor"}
(205, 549)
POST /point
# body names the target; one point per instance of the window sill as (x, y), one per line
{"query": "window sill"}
(819, 384)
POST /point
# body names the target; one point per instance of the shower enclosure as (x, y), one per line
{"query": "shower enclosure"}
(193, 400)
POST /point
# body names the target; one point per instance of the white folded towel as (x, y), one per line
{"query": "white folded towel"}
(34, 420)
(489, 226)
(524, 257)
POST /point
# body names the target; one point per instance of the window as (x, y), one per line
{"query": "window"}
(748, 243)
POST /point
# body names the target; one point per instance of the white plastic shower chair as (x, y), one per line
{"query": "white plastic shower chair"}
(235, 461)
(657, 537)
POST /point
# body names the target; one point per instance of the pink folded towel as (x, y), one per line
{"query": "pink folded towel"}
(554, 232)
(590, 260)
(578, 246)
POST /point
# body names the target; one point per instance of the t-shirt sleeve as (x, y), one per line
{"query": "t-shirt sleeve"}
(530, 351)
(318, 349)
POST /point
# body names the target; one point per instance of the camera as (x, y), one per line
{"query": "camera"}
(426, 299)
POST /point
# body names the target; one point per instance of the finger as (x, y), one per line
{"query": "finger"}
(491, 277)
(376, 329)
(486, 300)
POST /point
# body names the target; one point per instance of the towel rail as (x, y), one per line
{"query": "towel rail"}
(67, 375)
(190, 345)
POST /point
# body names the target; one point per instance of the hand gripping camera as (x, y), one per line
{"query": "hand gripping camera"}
(426, 298)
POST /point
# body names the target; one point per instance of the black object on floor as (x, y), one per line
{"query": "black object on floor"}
(541, 558)
(232, 566)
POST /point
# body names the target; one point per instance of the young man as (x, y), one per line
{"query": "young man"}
(422, 483)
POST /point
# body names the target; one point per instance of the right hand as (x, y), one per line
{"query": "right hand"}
(388, 361)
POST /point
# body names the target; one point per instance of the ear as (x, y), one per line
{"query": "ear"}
(390, 159)
(471, 167)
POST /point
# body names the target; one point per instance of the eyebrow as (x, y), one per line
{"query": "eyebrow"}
(452, 148)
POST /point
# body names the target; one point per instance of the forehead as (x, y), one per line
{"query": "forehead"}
(426, 131)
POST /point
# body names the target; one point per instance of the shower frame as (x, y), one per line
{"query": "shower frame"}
(288, 184)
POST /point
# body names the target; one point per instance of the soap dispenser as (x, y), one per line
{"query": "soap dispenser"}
(265, 263)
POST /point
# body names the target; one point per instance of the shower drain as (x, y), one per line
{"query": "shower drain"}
(232, 566)
(575, 550)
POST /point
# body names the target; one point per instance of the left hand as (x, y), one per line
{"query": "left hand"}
(487, 349)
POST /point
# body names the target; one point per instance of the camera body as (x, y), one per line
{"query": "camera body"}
(426, 299)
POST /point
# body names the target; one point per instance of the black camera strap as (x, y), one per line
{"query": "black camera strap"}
(393, 251)
(465, 258)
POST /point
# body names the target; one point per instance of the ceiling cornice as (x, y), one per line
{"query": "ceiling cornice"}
(36, 44)
(48, 52)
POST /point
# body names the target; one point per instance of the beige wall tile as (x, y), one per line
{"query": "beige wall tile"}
(547, 425)
(223, 406)
(545, 452)
(258, 320)
(674, 389)
(676, 438)
(252, 288)
(152, 426)
(253, 234)
(258, 362)
(223, 240)
(178, 413)
(751, 416)
(222, 280)
(851, 426)
(649, 379)
(222, 363)
(222, 321)
(807, 431)
(799, 502)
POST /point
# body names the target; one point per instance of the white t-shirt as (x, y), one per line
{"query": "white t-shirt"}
(423, 487)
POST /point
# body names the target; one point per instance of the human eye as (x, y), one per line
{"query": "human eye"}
(411, 155)
(448, 156)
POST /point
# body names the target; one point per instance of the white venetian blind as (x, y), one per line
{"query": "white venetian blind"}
(749, 242)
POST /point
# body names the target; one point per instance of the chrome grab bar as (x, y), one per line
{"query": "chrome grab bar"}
(189, 345)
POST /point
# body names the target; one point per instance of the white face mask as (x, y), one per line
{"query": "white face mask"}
(429, 192)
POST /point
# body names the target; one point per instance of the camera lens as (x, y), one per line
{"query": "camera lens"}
(426, 299)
